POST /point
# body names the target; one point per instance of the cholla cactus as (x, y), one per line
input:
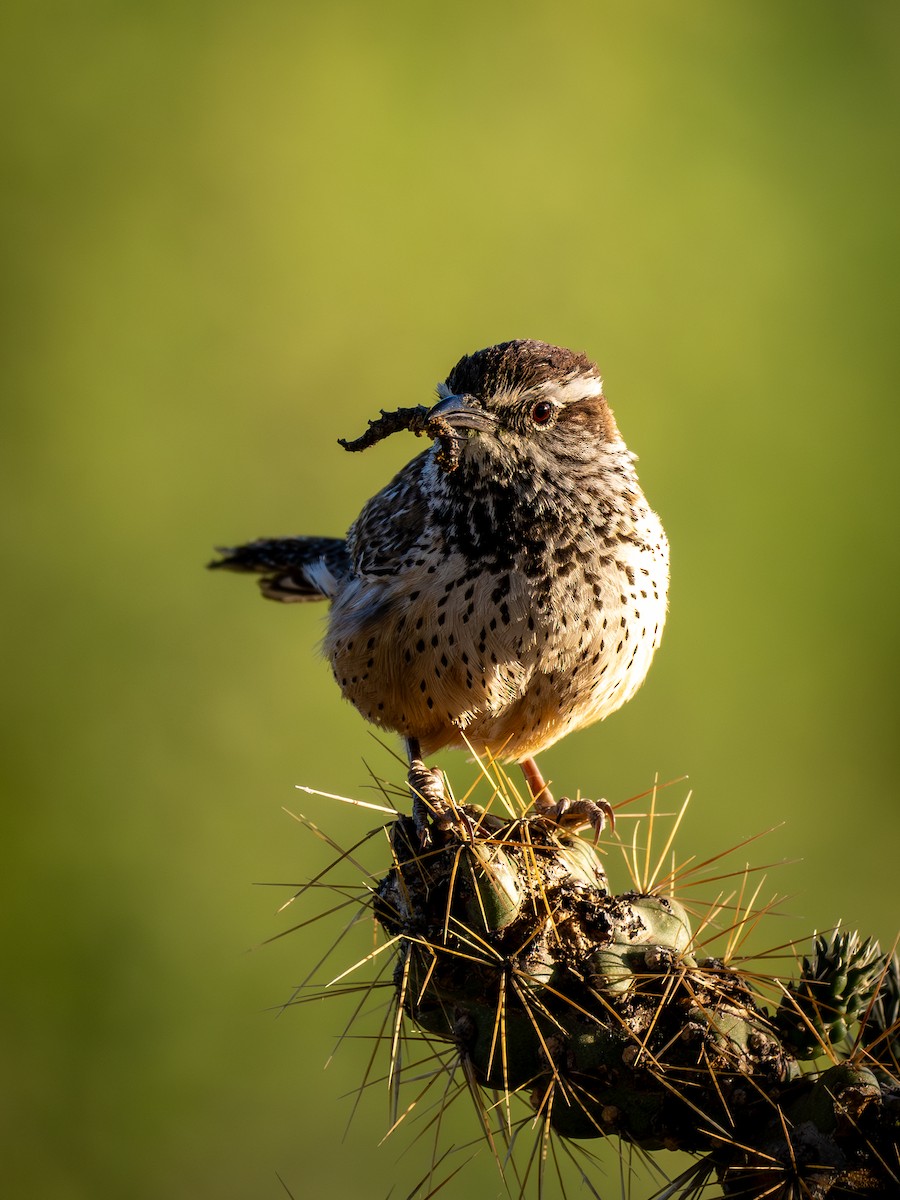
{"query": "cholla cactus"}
(511, 947)
(600, 1013)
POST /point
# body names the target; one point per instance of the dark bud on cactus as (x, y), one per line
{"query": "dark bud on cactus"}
(835, 988)
(881, 1030)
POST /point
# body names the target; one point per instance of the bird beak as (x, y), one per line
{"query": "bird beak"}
(463, 412)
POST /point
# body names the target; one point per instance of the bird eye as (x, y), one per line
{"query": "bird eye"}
(541, 412)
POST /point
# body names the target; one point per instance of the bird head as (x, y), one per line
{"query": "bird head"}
(526, 402)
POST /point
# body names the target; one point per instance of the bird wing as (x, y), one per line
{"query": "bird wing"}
(393, 529)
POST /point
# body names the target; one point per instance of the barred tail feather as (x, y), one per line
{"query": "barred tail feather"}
(293, 569)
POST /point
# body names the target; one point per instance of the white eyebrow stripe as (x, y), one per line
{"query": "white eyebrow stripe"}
(580, 388)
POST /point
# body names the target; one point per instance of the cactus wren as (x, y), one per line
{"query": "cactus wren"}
(507, 586)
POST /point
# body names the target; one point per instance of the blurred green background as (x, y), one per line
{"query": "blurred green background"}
(231, 233)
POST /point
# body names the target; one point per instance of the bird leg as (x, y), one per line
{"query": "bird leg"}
(566, 813)
(429, 799)
(540, 793)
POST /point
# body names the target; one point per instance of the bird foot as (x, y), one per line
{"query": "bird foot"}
(574, 815)
(432, 811)
(429, 800)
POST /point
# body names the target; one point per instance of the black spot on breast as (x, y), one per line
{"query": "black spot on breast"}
(501, 590)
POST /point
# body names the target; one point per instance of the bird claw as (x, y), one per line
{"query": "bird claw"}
(574, 815)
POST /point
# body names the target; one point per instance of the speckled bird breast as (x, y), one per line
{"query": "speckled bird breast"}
(506, 654)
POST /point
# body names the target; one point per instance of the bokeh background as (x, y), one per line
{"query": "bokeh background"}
(231, 233)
